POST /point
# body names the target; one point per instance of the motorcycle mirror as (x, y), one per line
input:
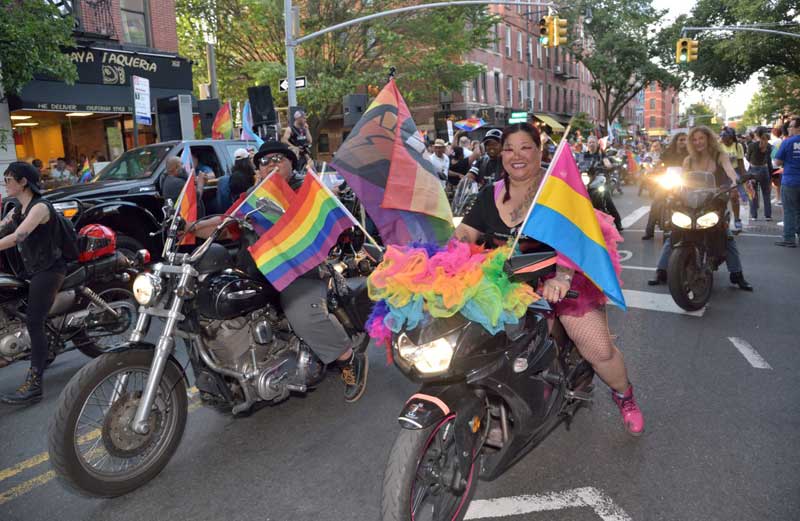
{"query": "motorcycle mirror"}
(268, 206)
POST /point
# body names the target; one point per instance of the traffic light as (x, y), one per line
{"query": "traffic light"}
(693, 45)
(682, 50)
(544, 30)
(559, 36)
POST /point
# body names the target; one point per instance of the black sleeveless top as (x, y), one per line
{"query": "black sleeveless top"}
(720, 176)
(299, 138)
(41, 250)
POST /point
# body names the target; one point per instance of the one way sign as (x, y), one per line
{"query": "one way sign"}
(299, 83)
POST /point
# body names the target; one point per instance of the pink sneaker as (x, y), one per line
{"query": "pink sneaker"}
(631, 414)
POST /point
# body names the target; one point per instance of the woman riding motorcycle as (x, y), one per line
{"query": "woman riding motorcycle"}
(674, 155)
(499, 211)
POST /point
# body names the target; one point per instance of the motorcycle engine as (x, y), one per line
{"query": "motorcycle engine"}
(14, 338)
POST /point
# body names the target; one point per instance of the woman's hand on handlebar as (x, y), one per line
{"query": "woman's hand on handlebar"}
(555, 289)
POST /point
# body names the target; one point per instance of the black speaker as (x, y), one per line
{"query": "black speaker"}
(353, 107)
(174, 118)
(262, 106)
(208, 109)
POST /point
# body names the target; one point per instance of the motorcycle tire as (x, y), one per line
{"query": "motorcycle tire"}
(402, 469)
(93, 348)
(64, 440)
(680, 269)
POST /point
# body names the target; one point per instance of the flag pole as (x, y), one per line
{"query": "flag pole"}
(549, 171)
(346, 211)
(274, 170)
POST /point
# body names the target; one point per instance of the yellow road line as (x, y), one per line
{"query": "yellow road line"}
(22, 466)
(26, 487)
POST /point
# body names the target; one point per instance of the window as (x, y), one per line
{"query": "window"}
(510, 91)
(323, 144)
(475, 95)
(549, 98)
(484, 89)
(135, 28)
(530, 50)
(547, 57)
(520, 93)
(531, 94)
(541, 96)
(558, 98)
(519, 46)
(652, 87)
(652, 121)
(497, 88)
(496, 39)
(539, 55)
(465, 91)
(508, 41)
(652, 104)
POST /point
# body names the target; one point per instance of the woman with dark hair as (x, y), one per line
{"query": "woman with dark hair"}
(674, 155)
(499, 211)
(32, 228)
(677, 150)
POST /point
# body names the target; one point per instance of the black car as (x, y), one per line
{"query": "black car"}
(126, 194)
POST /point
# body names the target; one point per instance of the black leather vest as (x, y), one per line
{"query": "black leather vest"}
(41, 250)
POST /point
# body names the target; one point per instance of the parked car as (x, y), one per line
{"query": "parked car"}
(126, 194)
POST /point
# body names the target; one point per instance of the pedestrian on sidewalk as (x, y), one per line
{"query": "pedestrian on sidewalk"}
(759, 155)
(789, 158)
(779, 134)
(735, 152)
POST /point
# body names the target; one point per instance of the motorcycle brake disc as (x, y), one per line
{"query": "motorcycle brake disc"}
(119, 438)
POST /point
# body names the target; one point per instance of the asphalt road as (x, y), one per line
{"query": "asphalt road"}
(722, 437)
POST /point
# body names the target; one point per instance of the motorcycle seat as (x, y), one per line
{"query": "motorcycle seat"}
(8, 280)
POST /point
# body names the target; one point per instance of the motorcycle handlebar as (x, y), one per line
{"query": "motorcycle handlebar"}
(572, 294)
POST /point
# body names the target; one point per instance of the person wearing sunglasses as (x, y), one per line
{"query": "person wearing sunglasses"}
(33, 229)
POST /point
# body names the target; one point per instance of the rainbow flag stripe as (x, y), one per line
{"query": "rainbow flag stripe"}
(187, 207)
(222, 128)
(274, 188)
(301, 239)
(563, 217)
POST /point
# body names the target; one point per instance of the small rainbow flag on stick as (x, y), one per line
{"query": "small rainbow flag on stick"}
(562, 216)
(86, 172)
(274, 188)
(222, 128)
(187, 207)
(301, 239)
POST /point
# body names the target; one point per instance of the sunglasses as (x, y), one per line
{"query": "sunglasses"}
(276, 159)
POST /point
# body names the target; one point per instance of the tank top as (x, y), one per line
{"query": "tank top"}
(39, 251)
(720, 177)
(299, 138)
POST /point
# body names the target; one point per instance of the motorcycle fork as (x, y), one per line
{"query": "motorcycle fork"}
(163, 349)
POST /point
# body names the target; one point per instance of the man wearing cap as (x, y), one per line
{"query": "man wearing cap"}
(488, 168)
(32, 227)
(735, 152)
(440, 161)
(223, 199)
(298, 137)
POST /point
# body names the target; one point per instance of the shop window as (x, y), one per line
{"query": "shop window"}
(652, 121)
(323, 144)
(135, 26)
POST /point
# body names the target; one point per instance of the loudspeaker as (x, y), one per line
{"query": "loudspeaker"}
(262, 106)
(175, 118)
(353, 107)
(208, 109)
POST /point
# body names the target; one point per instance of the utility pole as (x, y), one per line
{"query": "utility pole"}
(211, 57)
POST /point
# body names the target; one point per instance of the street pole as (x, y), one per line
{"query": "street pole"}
(133, 116)
(211, 56)
(291, 44)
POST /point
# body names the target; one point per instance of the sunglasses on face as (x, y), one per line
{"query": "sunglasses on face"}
(276, 159)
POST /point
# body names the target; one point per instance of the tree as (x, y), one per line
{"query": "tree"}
(32, 36)
(729, 58)
(426, 47)
(581, 122)
(779, 97)
(617, 48)
(701, 114)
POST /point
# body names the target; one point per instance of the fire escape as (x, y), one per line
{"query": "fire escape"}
(93, 19)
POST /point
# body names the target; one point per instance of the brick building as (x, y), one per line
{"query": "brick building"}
(116, 39)
(661, 109)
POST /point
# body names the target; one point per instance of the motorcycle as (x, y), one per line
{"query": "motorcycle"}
(464, 196)
(90, 312)
(617, 172)
(485, 402)
(121, 418)
(699, 223)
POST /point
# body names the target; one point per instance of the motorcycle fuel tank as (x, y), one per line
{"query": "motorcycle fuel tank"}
(231, 294)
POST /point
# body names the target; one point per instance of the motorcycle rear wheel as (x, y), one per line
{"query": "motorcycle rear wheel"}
(95, 345)
(410, 493)
(102, 456)
(689, 285)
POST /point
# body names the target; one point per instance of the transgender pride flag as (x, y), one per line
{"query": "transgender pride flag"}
(248, 134)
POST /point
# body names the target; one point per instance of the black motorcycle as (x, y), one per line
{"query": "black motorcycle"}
(699, 235)
(93, 309)
(485, 402)
(617, 172)
(121, 418)
(595, 177)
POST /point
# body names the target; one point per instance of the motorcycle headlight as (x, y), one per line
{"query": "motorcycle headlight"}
(708, 220)
(671, 178)
(601, 189)
(681, 220)
(146, 288)
(430, 358)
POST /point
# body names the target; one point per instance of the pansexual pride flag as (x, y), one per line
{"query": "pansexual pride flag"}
(562, 216)
(248, 134)
(383, 160)
(301, 239)
(222, 128)
(274, 188)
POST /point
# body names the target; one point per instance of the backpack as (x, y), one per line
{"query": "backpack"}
(69, 237)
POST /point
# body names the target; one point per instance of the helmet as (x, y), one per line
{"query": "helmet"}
(95, 241)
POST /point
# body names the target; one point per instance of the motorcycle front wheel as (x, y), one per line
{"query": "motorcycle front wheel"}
(92, 447)
(419, 474)
(689, 284)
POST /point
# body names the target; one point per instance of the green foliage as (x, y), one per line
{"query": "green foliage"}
(618, 49)
(426, 47)
(32, 35)
(580, 121)
(779, 96)
(702, 115)
(728, 58)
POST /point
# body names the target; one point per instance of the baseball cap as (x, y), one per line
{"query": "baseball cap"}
(21, 169)
(439, 143)
(299, 114)
(495, 134)
(727, 132)
(240, 153)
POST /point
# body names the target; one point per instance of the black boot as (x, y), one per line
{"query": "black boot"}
(661, 278)
(738, 279)
(29, 392)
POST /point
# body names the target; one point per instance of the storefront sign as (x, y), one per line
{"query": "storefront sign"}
(116, 67)
(141, 100)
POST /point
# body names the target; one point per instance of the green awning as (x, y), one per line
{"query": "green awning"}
(550, 122)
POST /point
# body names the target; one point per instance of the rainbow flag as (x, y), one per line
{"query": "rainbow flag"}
(383, 160)
(86, 172)
(187, 205)
(469, 124)
(274, 188)
(248, 134)
(303, 236)
(562, 216)
(222, 128)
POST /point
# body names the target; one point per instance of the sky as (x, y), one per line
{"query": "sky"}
(734, 100)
